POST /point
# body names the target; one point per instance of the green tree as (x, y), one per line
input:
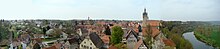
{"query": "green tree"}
(117, 34)
(3, 32)
(148, 37)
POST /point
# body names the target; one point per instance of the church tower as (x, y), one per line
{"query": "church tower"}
(145, 18)
(144, 22)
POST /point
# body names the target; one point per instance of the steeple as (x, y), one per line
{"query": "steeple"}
(144, 9)
(145, 12)
(145, 16)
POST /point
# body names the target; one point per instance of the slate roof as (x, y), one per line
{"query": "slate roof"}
(97, 41)
(73, 39)
(84, 33)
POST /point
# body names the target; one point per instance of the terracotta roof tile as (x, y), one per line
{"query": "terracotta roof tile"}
(168, 42)
(155, 31)
(153, 22)
(105, 39)
(138, 44)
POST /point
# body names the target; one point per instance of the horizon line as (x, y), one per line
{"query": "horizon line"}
(104, 19)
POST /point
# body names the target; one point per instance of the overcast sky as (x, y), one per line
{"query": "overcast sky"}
(183, 10)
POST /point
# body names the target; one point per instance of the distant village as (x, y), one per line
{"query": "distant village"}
(84, 34)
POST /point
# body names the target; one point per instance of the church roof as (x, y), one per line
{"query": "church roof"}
(154, 22)
(155, 31)
(169, 42)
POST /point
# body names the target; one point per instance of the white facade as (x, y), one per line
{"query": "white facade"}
(131, 41)
(87, 44)
(79, 31)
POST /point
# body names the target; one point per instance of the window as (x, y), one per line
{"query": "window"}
(87, 47)
(84, 42)
(84, 46)
(90, 43)
(90, 47)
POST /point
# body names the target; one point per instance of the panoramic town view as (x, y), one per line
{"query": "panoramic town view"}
(109, 24)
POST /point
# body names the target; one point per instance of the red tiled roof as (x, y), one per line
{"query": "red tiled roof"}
(153, 26)
(168, 42)
(155, 31)
(138, 44)
(105, 39)
(153, 22)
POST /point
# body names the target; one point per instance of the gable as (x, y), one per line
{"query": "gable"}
(131, 37)
(140, 44)
(87, 42)
(132, 34)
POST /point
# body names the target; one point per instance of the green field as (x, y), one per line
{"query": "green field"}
(216, 37)
(211, 39)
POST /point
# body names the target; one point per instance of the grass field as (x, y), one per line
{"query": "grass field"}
(216, 37)
(212, 39)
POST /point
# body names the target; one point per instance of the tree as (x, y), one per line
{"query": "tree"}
(69, 27)
(117, 34)
(148, 37)
(3, 32)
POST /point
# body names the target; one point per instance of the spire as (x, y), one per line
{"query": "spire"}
(145, 12)
(144, 9)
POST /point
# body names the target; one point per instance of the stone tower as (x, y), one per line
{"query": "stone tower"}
(144, 22)
(145, 18)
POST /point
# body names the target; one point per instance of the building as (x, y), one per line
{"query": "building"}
(150, 26)
(169, 44)
(93, 41)
(106, 40)
(130, 39)
(140, 45)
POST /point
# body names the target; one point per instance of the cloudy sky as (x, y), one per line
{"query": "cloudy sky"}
(184, 10)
